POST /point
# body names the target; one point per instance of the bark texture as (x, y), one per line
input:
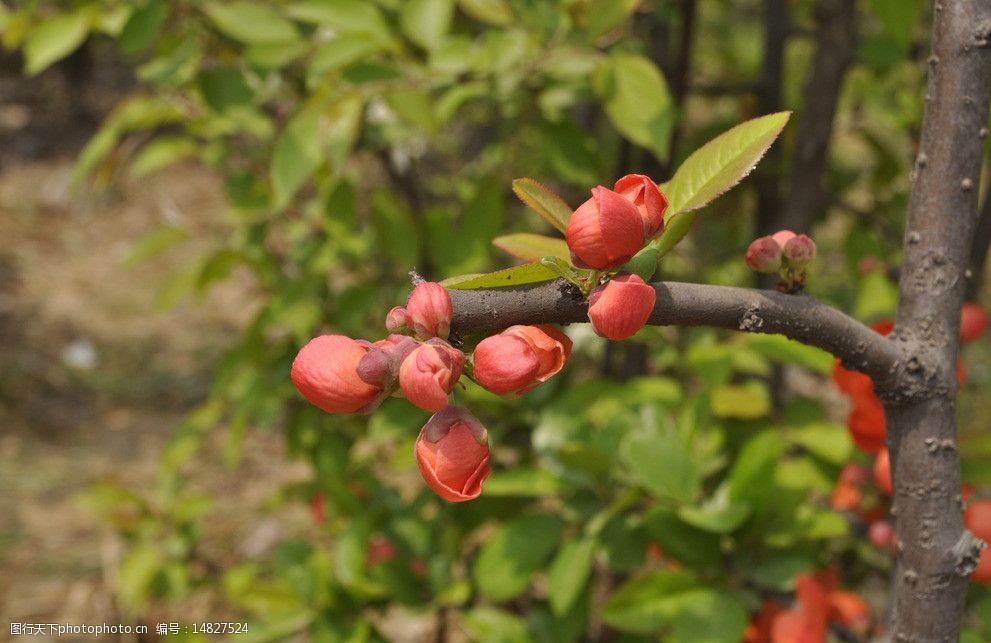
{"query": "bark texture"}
(936, 553)
(799, 317)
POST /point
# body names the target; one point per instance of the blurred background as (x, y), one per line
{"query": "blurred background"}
(189, 191)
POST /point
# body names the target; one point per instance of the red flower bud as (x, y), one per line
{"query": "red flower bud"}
(621, 307)
(452, 452)
(605, 231)
(882, 535)
(648, 199)
(325, 372)
(380, 365)
(973, 322)
(429, 311)
(396, 320)
(764, 255)
(551, 346)
(882, 471)
(505, 363)
(430, 373)
(799, 251)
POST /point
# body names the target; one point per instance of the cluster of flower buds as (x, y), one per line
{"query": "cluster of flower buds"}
(342, 375)
(604, 233)
(612, 226)
(783, 253)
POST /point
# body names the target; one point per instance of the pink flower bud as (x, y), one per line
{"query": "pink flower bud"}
(605, 231)
(452, 452)
(429, 311)
(799, 251)
(506, 363)
(647, 198)
(764, 255)
(973, 322)
(782, 237)
(621, 307)
(395, 321)
(325, 372)
(551, 346)
(430, 373)
(882, 535)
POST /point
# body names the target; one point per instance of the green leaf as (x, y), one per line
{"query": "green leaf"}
(830, 442)
(252, 23)
(493, 12)
(513, 553)
(636, 99)
(721, 163)
(688, 545)
(426, 22)
(143, 26)
(155, 243)
(523, 482)
(495, 625)
(605, 15)
(745, 401)
(224, 88)
(544, 202)
(720, 514)
(532, 247)
(344, 16)
(673, 600)
(160, 153)
(752, 477)
(788, 351)
(528, 273)
(54, 39)
(660, 462)
(295, 157)
(340, 52)
(136, 575)
(569, 572)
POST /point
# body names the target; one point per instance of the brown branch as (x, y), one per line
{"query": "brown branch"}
(837, 41)
(936, 555)
(799, 317)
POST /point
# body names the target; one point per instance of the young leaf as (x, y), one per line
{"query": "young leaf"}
(569, 572)
(544, 202)
(251, 23)
(636, 99)
(528, 273)
(532, 247)
(721, 163)
(54, 39)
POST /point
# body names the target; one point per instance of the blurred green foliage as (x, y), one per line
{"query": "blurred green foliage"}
(359, 139)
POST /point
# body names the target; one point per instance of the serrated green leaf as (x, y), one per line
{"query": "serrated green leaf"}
(532, 247)
(54, 39)
(426, 22)
(513, 553)
(569, 572)
(637, 102)
(252, 23)
(544, 202)
(528, 273)
(721, 163)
